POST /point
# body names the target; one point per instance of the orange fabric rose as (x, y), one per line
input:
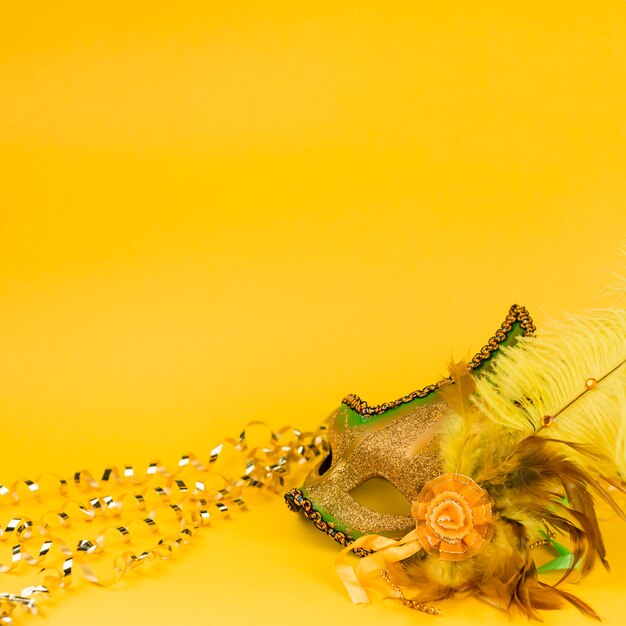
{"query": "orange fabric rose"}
(454, 517)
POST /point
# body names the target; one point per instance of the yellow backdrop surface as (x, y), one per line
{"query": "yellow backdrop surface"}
(218, 212)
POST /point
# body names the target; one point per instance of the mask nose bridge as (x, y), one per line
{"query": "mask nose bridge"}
(392, 449)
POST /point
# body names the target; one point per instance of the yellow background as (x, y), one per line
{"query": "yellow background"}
(221, 212)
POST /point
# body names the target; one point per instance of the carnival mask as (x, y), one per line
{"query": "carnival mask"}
(394, 442)
(501, 457)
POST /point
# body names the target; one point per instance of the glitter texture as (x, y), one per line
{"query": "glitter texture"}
(382, 449)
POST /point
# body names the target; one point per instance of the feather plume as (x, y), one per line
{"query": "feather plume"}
(541, 375)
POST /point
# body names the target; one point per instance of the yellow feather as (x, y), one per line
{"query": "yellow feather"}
(546, 375)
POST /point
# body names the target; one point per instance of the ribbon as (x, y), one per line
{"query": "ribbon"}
(367, 572)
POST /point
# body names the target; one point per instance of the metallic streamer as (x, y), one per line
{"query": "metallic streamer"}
(120, 500)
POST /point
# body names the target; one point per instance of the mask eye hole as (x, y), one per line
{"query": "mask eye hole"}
(326, 463)
(378, 494)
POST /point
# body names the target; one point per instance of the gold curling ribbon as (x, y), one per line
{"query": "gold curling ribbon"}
(366, 574)
(145, 498)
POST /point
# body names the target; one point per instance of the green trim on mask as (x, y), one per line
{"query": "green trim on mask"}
(350, 418)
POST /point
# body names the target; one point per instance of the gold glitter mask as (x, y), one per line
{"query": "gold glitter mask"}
(395, 442)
